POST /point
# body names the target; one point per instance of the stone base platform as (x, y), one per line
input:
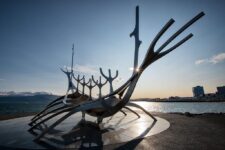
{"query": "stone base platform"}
(72, 133)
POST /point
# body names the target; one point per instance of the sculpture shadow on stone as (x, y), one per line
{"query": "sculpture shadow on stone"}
(86, 134)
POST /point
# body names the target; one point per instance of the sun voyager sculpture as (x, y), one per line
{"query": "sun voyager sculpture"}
(116, 100)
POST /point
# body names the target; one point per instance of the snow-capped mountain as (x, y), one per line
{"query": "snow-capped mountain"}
(13, 93)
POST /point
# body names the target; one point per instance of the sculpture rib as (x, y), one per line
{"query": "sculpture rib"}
(56, 102)
(44, 112)
(53, 111)
(61, 110)
(51, 103)
(72, 110)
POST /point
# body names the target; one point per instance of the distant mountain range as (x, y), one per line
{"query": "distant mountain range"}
(19, 102)
(26, 96)
(12, 93)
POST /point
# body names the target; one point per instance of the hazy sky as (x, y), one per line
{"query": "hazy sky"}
(36, 39)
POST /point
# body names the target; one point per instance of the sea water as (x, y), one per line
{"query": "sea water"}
(182, 107)
(20, 106)
(13, 107)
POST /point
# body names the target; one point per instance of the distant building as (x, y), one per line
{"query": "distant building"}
(198, 91)
(221, 90)
(210, 95)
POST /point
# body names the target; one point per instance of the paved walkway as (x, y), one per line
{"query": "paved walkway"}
(198, 132)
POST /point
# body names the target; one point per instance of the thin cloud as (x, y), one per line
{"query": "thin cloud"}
(119, 79)
(2, 79)
(213, 60)
(217, 58)
(86, 69)
(201, 61)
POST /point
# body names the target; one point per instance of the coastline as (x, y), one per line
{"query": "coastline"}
(17, 115)
(171, 100)
(188, 114)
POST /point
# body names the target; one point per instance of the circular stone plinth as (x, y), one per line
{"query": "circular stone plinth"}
(72, 133)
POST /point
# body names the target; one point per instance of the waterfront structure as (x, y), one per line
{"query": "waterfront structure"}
(115, 101)
(221, 90)
(198, 91)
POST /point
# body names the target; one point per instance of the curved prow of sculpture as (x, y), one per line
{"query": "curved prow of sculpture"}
(109, 78)
(153, 55)
(99, 85)
(150, 57)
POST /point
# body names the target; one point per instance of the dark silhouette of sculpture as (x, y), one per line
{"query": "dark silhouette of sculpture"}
(109, 78)
(78, 80)
(90, 86)
(99, 84)
(115, 101)
(83, 85)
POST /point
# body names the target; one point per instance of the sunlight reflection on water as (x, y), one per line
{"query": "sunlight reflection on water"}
(195, 107)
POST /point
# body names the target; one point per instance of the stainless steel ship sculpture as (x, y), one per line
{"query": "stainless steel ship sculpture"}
(115, 101)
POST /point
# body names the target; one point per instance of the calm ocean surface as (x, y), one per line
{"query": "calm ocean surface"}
(192, 107)
(195, 107)
(13, 107)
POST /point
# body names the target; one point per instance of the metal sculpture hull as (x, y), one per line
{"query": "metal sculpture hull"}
(115, 101)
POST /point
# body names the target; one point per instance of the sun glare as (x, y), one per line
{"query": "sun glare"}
(131, 69)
